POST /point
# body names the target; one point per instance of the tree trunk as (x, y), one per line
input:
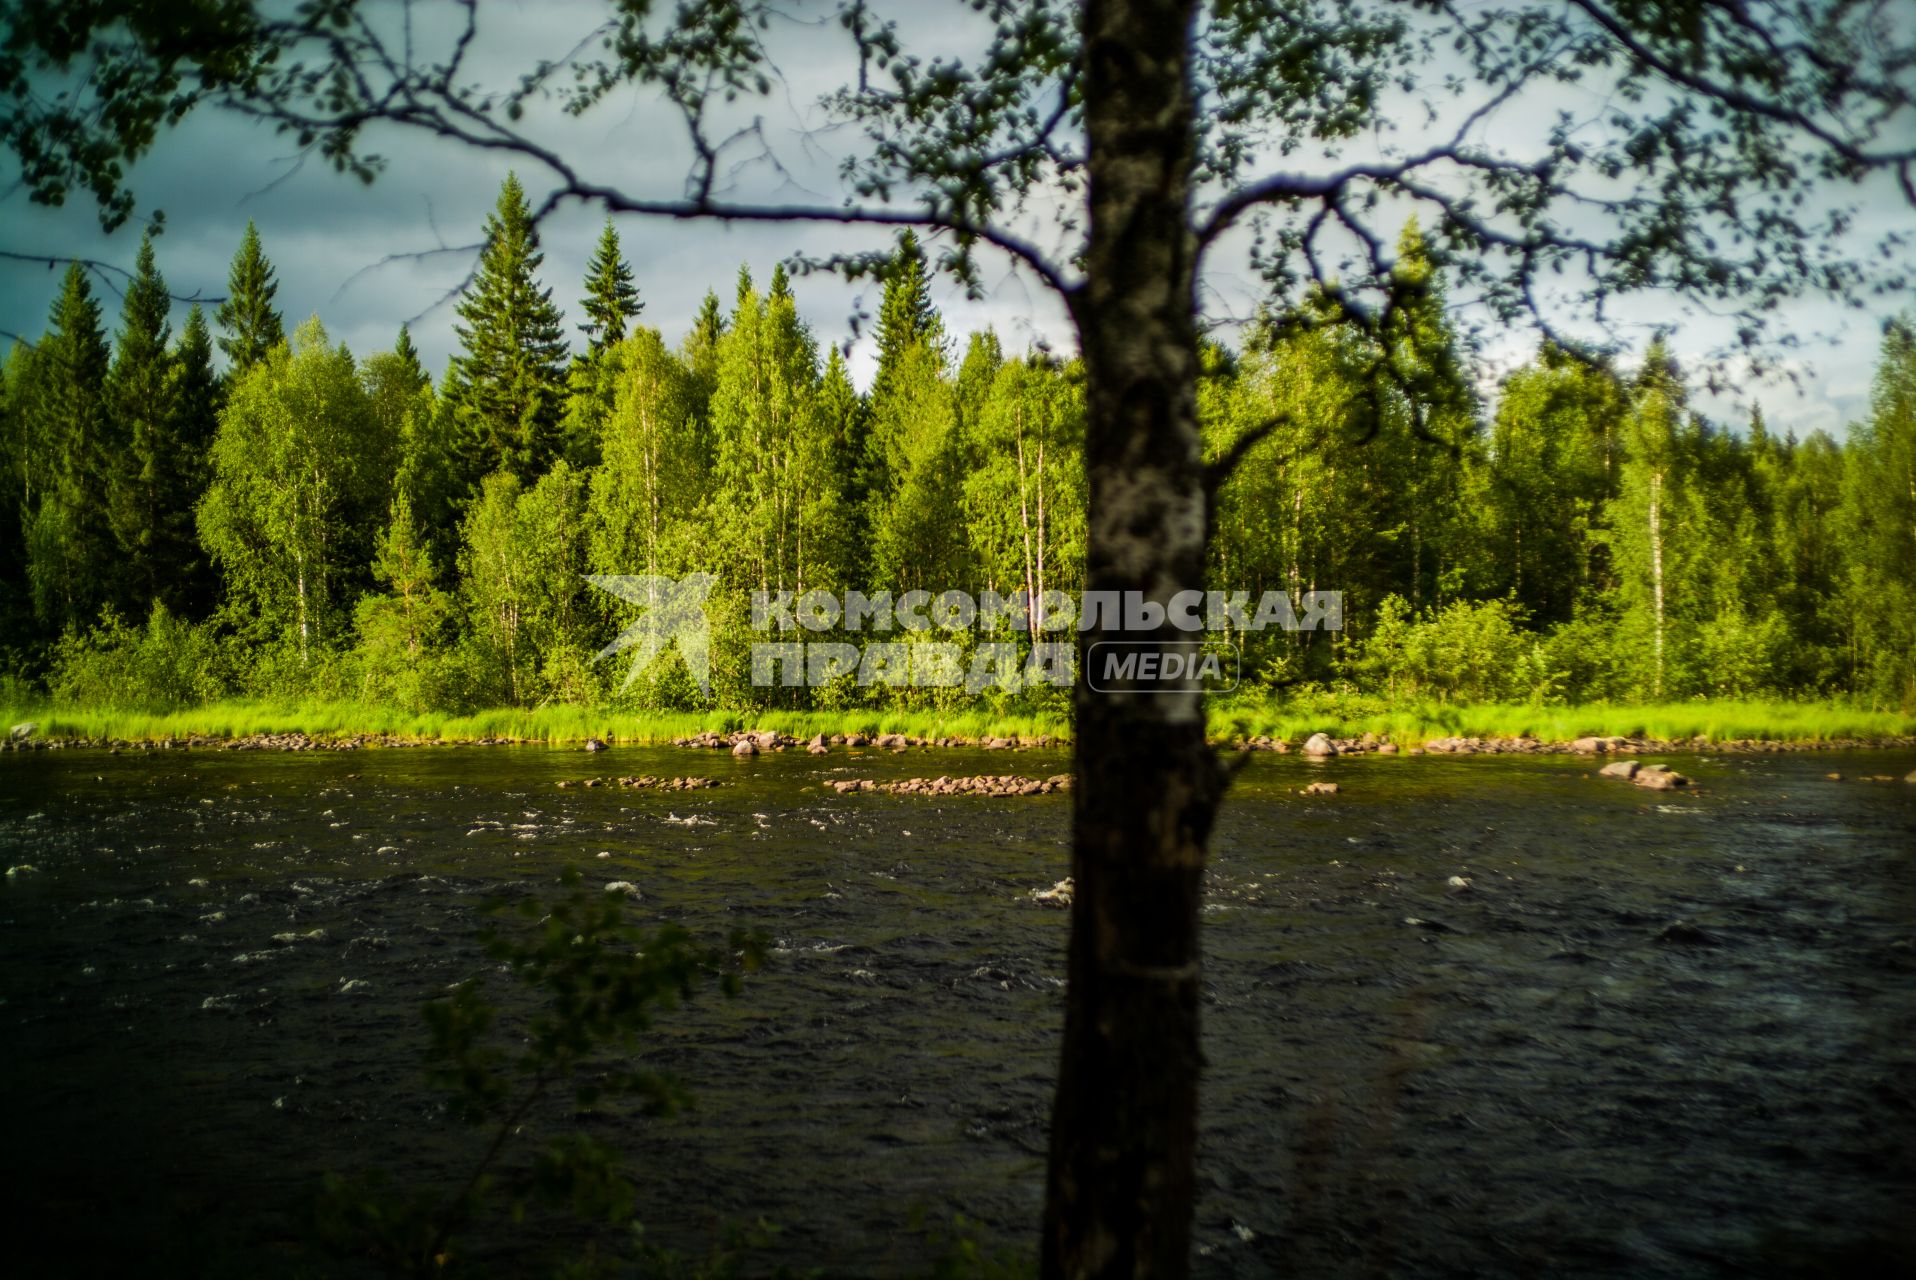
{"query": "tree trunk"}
(1124, 1124)
(1656, 570)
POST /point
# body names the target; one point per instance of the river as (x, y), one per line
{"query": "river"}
(1533, 1075)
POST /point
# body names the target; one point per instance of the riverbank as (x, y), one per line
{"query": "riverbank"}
(1352, 722)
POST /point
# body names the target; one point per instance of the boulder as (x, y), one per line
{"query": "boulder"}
(857, 740)
(1386, 748)
(1319, 789)
(1910, 776)
(1660, 779)
(1319, 745)
(1619, 769)
(818, 749)
(1058, 895)
(1595, 746)
(818, 740)
(593, 744)
(24, 730)
(745, 747)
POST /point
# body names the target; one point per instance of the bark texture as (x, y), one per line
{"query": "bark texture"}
(1148, 785)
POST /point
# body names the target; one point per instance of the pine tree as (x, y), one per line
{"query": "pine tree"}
(251, 325)
(511, 376)
(610, 296)
(73, 565)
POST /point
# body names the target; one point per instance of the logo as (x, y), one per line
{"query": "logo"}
(1136, 666)
(674, 614)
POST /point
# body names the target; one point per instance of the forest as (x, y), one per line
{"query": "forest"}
(295, 522)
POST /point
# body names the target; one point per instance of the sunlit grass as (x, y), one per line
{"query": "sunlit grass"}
(1339, 716)
(556, 724)
(1669, 722)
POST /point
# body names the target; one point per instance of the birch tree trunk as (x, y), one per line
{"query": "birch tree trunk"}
(1656, 570)
(1148, 785)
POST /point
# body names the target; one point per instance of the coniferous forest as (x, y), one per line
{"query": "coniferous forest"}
(296, 521)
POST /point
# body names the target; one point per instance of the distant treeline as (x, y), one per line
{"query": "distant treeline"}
(312, 525)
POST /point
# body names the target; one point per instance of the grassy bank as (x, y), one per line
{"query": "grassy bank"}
(1340, 716)
(560, 724)
(1668, 722)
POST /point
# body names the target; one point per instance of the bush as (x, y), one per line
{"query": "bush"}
(1466, 651)
(164, 666)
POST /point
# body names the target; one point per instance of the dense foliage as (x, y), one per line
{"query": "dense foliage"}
(312, 524)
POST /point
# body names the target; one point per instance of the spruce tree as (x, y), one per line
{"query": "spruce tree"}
(908, 395)
(72, 563)
(906, 315)
(702, 344)
(409, 357)
(511, 383)
(152, 490)
(610, 300)
(250, 324)
(610, 296)
(196, 417)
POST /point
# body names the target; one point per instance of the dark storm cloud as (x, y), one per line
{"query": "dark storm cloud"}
(366, 259)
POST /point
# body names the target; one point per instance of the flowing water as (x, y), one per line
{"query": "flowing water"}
(1536, 1075)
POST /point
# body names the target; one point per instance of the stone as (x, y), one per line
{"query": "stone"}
(1660, 779)
(1319, 745)
(1619, 769)
(1593, 745)
(1319, 789)
(1834, 777)
(22, 731)
(1910, 776)
(745, 747)
(626, 887)
(818, 740)
(1058, 895)
(857, 740)
(593, 744)
(818, 749)
(1386, 748)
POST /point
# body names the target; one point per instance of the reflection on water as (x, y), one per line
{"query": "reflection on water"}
(212, 978)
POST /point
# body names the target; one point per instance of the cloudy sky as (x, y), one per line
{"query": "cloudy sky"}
(366, 259)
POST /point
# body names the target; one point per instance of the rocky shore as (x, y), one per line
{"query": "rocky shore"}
(1007, 784)
(746, 743)
(1323, 746)
(751, 742)
(645, 783)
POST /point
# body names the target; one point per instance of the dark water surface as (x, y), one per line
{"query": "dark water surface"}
(1538, 1079)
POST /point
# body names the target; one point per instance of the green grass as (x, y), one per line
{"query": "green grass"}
(1340, 716)
(1670, 722)
(557, 724)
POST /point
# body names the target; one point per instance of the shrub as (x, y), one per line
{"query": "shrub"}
(165, 665)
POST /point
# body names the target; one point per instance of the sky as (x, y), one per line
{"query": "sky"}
(367, 259)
